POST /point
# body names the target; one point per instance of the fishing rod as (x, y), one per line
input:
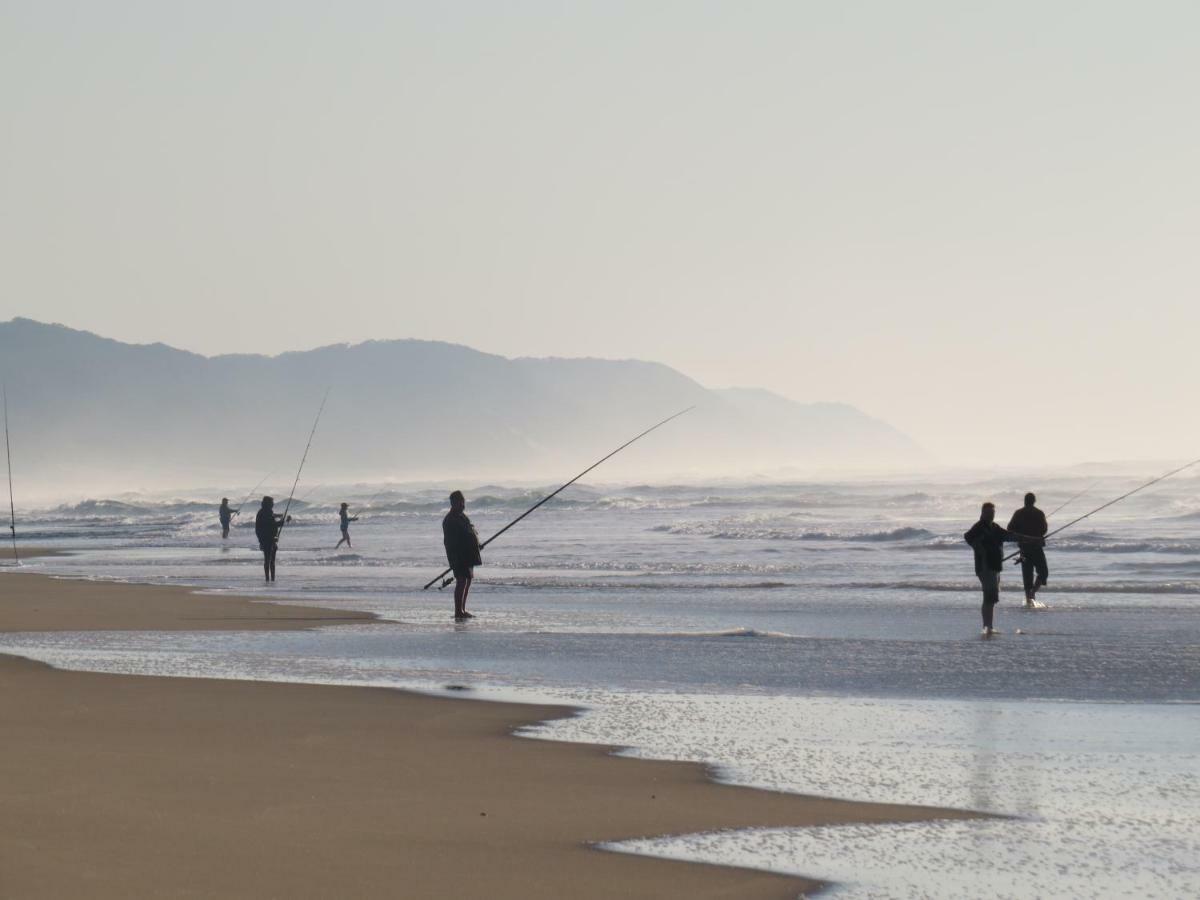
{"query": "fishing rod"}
(551, 496)
(303, 458)
(252, 491)
(12, 510)
(1111, 502)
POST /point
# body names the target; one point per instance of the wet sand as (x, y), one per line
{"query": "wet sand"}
(129, 786)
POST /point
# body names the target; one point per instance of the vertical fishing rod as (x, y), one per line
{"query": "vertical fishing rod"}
(303, 458)
(1111, 502)
(12, 510)
(554, 494)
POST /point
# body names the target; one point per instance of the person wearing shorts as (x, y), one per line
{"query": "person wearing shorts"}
(462, 552)
(987, 539)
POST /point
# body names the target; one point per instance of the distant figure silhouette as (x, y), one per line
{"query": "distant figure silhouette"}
(462, 552)
(226, 516)
(266, 528)
(346, 520)
(987, 540)
(1031, 521)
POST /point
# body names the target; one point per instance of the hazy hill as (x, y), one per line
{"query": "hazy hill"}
(86, 409)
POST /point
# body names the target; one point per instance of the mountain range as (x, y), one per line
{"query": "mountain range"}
(84, 408)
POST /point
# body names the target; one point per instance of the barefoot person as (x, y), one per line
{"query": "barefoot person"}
(225, 514)
(462, 551)
(266, 528)
(1031, 521)
(987, 540)
(346, 520)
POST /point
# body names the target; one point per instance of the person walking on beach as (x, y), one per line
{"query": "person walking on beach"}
(225, 514)
(266, 529)
(987, 540)
(346, 520)
(462, 552)
(1031, 522)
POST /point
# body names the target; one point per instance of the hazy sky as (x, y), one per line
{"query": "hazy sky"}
(978, 221)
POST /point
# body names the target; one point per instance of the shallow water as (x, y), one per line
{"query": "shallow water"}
(815, 638)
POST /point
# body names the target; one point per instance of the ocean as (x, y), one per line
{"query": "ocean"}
(818, 637)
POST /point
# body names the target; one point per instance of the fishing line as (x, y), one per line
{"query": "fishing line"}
(1073, 499)
(252, 491)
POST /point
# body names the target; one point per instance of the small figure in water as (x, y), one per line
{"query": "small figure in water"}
(1031, 521)
(266, 527)
(346, 520)
(462, 552)
(225, 514)
(987, 540)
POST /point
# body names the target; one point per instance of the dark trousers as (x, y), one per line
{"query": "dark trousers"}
(1033, 560)
(990, 582)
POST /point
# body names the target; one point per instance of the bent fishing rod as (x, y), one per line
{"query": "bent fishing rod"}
(12, 510)
(551, 496)
(303, 458)
(1110, 503)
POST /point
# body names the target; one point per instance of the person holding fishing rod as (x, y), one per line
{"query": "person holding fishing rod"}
(225, 514)
(1030, 520)
(346, 518)
(267, 525)
(987, 539)
(462, 552)
(462, 543)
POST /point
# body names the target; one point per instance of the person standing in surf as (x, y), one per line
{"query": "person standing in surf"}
(987, 540)
(1031, 522)
(346, 518)
(266, 529)
(225, 514)
(462, 552)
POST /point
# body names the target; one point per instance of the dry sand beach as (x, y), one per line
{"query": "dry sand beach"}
(129, 786)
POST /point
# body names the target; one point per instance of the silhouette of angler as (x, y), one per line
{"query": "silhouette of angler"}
(1030, 522)
(987, 540)
(462, 551)
(225, 514)
(266, 527)
(346, 518)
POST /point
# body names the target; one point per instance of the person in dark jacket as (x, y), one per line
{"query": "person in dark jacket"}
(346, 518)
(1031, 521)
(266, 528)
(987, 540)
(225, 514)
(462, 552)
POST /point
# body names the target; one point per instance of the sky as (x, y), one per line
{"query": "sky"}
(976, 221)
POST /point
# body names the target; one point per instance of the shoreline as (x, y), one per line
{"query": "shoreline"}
(126, 785)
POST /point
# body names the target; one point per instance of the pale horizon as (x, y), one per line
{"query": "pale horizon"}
(974, 224)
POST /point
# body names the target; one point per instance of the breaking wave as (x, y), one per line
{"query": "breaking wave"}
(1131, 587)
(728, 531)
